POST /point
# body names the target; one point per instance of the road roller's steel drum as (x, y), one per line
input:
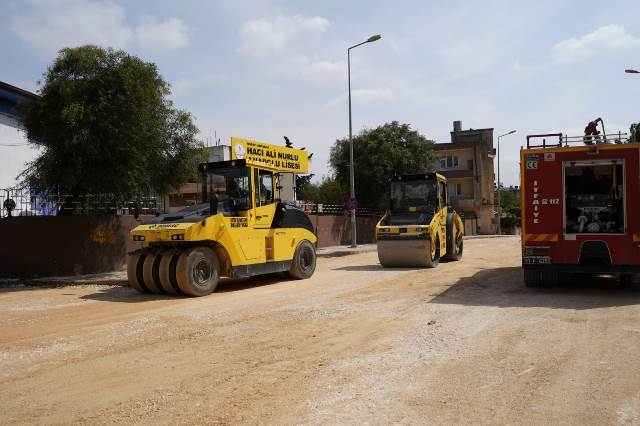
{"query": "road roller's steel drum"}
(404, 252)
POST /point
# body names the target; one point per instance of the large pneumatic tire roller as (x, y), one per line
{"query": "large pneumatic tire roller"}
(198, 271)
(304, 261)
(135, 264)
(193, 272)
(167, 272)
(150, 272)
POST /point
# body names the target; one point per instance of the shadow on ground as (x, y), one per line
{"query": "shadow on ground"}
(376, 268)
(504, 287)
(126, 294)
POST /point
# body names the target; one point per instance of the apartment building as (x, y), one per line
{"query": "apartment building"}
(467, 162)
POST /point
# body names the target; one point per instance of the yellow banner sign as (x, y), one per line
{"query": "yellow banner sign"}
(274, 157)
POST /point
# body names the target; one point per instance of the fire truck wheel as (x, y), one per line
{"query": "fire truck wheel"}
(549, 278)
(303, 263)
(626, 281)
(532, 278)
(134, 271)
(198, 271)
(150, 273)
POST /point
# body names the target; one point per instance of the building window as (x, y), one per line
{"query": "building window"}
(458, 189)
(449, 162)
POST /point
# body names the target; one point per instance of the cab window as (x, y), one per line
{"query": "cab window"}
(442, 194)
(264, 187)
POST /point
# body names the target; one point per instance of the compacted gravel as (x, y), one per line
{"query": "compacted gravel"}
(464, 343)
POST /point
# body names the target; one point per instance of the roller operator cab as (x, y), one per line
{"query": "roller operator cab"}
(420, 227)
(580, 207)
(239, 229)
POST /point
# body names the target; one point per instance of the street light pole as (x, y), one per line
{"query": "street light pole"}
(352, 189)
(498, 185)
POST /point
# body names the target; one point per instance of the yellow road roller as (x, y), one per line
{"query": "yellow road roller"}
(241, 227)
(419, 228)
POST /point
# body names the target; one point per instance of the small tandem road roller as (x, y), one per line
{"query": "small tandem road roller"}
(420, 228)
(240, 228)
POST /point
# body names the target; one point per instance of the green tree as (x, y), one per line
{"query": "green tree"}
(105, 125)
(330, 191)
(634, 132)
(379, 154)
(305, 189)
(510, 203)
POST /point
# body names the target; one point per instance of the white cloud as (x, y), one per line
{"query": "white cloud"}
(400, 48)
(50, 25)
(316, 24)
(170, 34)
(262, 36)
(610, 38)
(185, 85)
(363, 96)
(319, 71)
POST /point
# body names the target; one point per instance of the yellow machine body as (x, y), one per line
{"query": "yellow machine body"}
(240, 229)
(420, 228)
(238, 240)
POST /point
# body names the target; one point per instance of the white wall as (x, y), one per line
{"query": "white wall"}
(13, 158)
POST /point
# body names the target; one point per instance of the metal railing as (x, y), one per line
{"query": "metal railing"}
(558, 140)
(334, 209)
(25, 201)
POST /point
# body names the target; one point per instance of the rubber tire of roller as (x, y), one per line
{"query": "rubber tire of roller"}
(456, 254)
(167, 276)
(147, 273)
(435, 260)
(132, 271)
(186, 271)
(303, 264)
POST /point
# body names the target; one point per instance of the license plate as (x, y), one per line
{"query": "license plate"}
(536, 260)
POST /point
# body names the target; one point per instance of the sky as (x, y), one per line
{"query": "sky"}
(264, 69)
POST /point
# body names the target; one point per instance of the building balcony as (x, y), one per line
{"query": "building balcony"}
(456, 174)
(461, 201)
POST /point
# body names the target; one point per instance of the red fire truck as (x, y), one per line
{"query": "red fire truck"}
(580, 207)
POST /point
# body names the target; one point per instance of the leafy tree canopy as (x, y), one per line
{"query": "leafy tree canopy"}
(379, 154)
(510, 201)
(105, 125)
(329, 191)
(634, 132)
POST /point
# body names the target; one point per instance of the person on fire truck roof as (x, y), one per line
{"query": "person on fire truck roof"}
(592, 130)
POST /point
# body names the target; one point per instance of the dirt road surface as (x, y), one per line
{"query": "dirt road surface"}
(463, 343)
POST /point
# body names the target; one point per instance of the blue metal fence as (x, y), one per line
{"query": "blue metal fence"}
(25, 201)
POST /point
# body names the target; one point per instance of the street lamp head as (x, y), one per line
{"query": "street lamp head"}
(632, 71)
(509, 133)
(374, 38)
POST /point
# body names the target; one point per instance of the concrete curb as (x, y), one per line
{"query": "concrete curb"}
(338, 251)
(479, 237)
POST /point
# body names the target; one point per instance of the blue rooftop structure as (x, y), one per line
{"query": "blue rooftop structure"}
(11, 96)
